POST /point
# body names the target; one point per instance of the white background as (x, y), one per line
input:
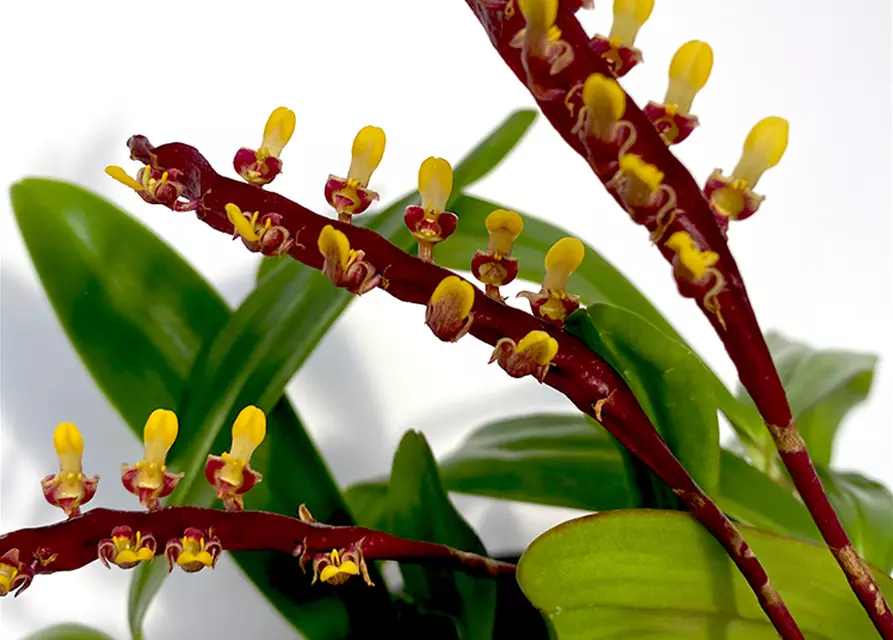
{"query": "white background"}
(79, 78)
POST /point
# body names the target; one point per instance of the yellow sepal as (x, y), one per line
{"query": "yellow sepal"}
(366, 154)
(243, 226)
(604, 98)
(458, 289)
(539, 345)
(121, 176)
(435, 183)
(278, 131)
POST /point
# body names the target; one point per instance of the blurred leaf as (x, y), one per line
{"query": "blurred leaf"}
(570, 461)
(492, 150)
(418, 508)
(590, 574)
(822, 387)
(68, 632)
(135, 311)
(865, 509)
(474, 166)
(668, 380)
(597, 280)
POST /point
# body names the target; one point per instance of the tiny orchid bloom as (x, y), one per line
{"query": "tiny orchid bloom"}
(265, 235)
(604, 103)
(618, 50)
(733, 197)
(14, 575)
(345, 267)
(448, 313)
(69, 488)
(429, 224)
(260, 167)
(336, 567)
(495, 267)
(553, 303)
(230, 473)
(152, 185)
(542, 48)
(637, 182)
(532, 356)
(351, 195)
(194, 551)
(149, 479)
(126, 548)
(690, 262)
(689, 71)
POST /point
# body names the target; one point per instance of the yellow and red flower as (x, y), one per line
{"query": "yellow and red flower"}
(230, 473)
(495, 267)
(531, 356)
(265, 234)
(552, 302)
(448, 313)
(149, 479)
(428, 223)
(126, 548)
(194, 551)
(352, 195)
(336, 567)
(153, 185)
(69, 488)
(345, 267)
(261, 166)
(618, 49)
(14, 574)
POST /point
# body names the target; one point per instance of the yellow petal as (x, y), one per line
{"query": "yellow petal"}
(629, 16)
(366, 154)
(539, 346)
(67, 440)
(332, 242)
(562, 260)
(328, 572)
(121, 176)
(435, 183)
(689, 72)
(349, 567)
(159, 435)
(504, 220)
(458, 289)
(763, 149)
(279, 130)
(604, 98)
(539, 14)
(145, 554)
(243, 227)
(251, 424)
(681, 241)
(633, 165)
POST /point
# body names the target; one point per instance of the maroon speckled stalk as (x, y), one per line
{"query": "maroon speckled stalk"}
(76, 540)
(576, 371)
(737, 325)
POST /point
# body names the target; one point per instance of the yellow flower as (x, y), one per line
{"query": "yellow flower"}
(69, 488)
(231, 473)
(629, 16)
(278, 131)
(689, 71)
(435, 184)
(504, 228)
(763, 149)
(690, 256)
(448, 313)
(604, 100)
(562, 260)
(149, 479)
(366, 154)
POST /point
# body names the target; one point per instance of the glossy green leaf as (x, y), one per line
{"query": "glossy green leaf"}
(418, 508)
(69, 631)
(668, 380)
(134, 310)
(865, 509)
(597, 280)
(659, 575)
(570, 461)
(822, 387)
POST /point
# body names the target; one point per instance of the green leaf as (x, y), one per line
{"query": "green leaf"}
(597, 280)
(822, 387)
(418, 508)
(658, 574)
(865, 509)
(473, 167)
(134, 310)
(492, 150)
(68, 631)
(570, 461)
(668, 380)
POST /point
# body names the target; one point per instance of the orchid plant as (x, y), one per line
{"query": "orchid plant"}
(686, 539)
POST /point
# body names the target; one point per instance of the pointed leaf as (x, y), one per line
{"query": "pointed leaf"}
(418, 508)
(658, 574)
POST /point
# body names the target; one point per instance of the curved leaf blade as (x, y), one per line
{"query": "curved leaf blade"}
(493, 149)
(418, 508)
(658, 574)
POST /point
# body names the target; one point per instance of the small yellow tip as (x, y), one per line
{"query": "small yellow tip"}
(279, 130)
(692, 64)
(243, 227)
(504, 220)
(681, 240)
(435, 183)
(251, 423)
(67, 439)
(768, 139)
(366, 154)
(539, 345)
(121, 176)
(566, 255)
(161, 428)
(539, 13)
(633, 165)
(604, 97)
(458, 289)
(332, 242)
(639, 10)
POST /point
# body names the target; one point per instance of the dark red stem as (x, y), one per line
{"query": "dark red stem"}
(737, 326)
(577, 372)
